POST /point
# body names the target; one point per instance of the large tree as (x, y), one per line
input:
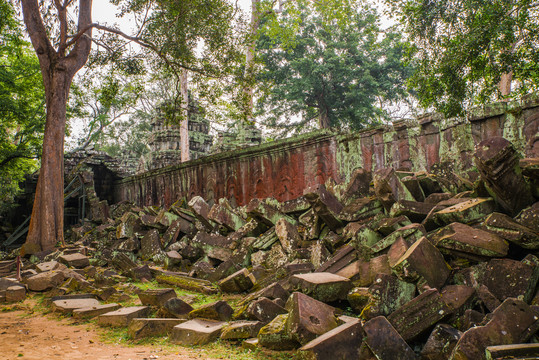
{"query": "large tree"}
(328, 61)
(170, 29)
(472, 51)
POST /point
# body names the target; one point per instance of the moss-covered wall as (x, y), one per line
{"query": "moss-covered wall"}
(283, 169)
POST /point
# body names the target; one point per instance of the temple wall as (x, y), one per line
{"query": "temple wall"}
(283, 169)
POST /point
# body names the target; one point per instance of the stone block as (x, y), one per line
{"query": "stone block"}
(272, 291)
(45, 280)
(512, 322)
(238, 282)
(218, 310)
(343, 342)
(226, 217)
(275, 336)
(68, 305)
(410, 233)
(156, 297)
(308, 318)
(264, 310)
(458, 298)
(140, 273)
(93, 311)
(322, 286)
(465, 241)
(288, 235)
(150, 246)
(512, 351)
(466, 212)
(497, 162)
(238, 330)
(419, 315)
(186, 282)
(143, 327)
(422, 260)
(15, 293)
(415, 211)
(325, 205)
(441, 342)
(201, 209)
(267, 212)
(49, 266)
(388, 293)
(122, 317)
(361, 209)
(506, 278)
(358, 298)
(196, 332)
(385, 342)
(512, 231)
(343, 257)
(176, 307)
(75, 260)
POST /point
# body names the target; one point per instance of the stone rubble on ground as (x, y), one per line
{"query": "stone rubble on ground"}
(391, 265)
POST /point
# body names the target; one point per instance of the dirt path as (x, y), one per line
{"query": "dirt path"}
(42, 338)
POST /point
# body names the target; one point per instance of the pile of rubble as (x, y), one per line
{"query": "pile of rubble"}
(391, 265)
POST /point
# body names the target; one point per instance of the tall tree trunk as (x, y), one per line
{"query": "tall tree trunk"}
(505, 83)
(58, 70)
(249, 62)
(47, 222)
(184, 124)
(323, 118)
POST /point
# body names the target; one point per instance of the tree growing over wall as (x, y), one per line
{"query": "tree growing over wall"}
(170, 29)
(472, 51)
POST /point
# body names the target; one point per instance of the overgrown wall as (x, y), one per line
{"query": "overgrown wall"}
(283, 169)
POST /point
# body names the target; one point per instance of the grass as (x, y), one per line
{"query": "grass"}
(38, 304)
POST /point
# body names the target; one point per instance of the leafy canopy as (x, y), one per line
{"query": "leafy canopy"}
(22, 110)
(462, 49)
(328, 60)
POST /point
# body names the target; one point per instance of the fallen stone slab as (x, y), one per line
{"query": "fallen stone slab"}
(385, 342)
(93, 311)
(322, 286)
(288, 235)
(156, 297)
(466, 241)
(225, 216)
(275, 335)
(506, 278)
(196, 332)
(186, 282)
(419, 315)
(343, 257)
(458, 298)
(145, 327)
(387, 294)
(358, 298)
(15, 293)
(177, 308)
(308, 318)
(440, 343)
(75, 260)
(422, 260)
(415, 211)
(361, 209)
(242, 280)
(123, 316)
(410, 233)
(68, 305)
(264, 310)
(343, 342)
(512, 351)
(267, 211)
(325, 205)
(272, 291)
(201, 209)
(466, 212)
(6, 282)
(512, 231)
(49, 265)
(512, 322)
(150, 246)
(266, 240)
(497, 162)
(45, 280)
(218, 310)
(238, 330)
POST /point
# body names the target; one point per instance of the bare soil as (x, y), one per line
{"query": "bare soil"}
(24, 336)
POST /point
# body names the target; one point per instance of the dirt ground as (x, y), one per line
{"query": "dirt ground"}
(42, 338)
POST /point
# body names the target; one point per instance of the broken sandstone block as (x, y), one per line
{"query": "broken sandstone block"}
(441, 343)
(122, 317)
(238, 330)
(75, 260)
(145, 327)
(196, 332)
(322, 286)
(385, 342)
(242, 280)
(156, 297)
(218, 310)
(343, 342)
(275, 335)
(512, 231)
(308, 318)
(264, 310)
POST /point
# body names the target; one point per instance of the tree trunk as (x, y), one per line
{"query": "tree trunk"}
(323, 118)
(184, 124)
(249, 62)
(505, 83)
(47, 222)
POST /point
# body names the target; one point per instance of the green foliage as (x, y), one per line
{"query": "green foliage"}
(462, 48)
(330, 61)
(22, 110)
